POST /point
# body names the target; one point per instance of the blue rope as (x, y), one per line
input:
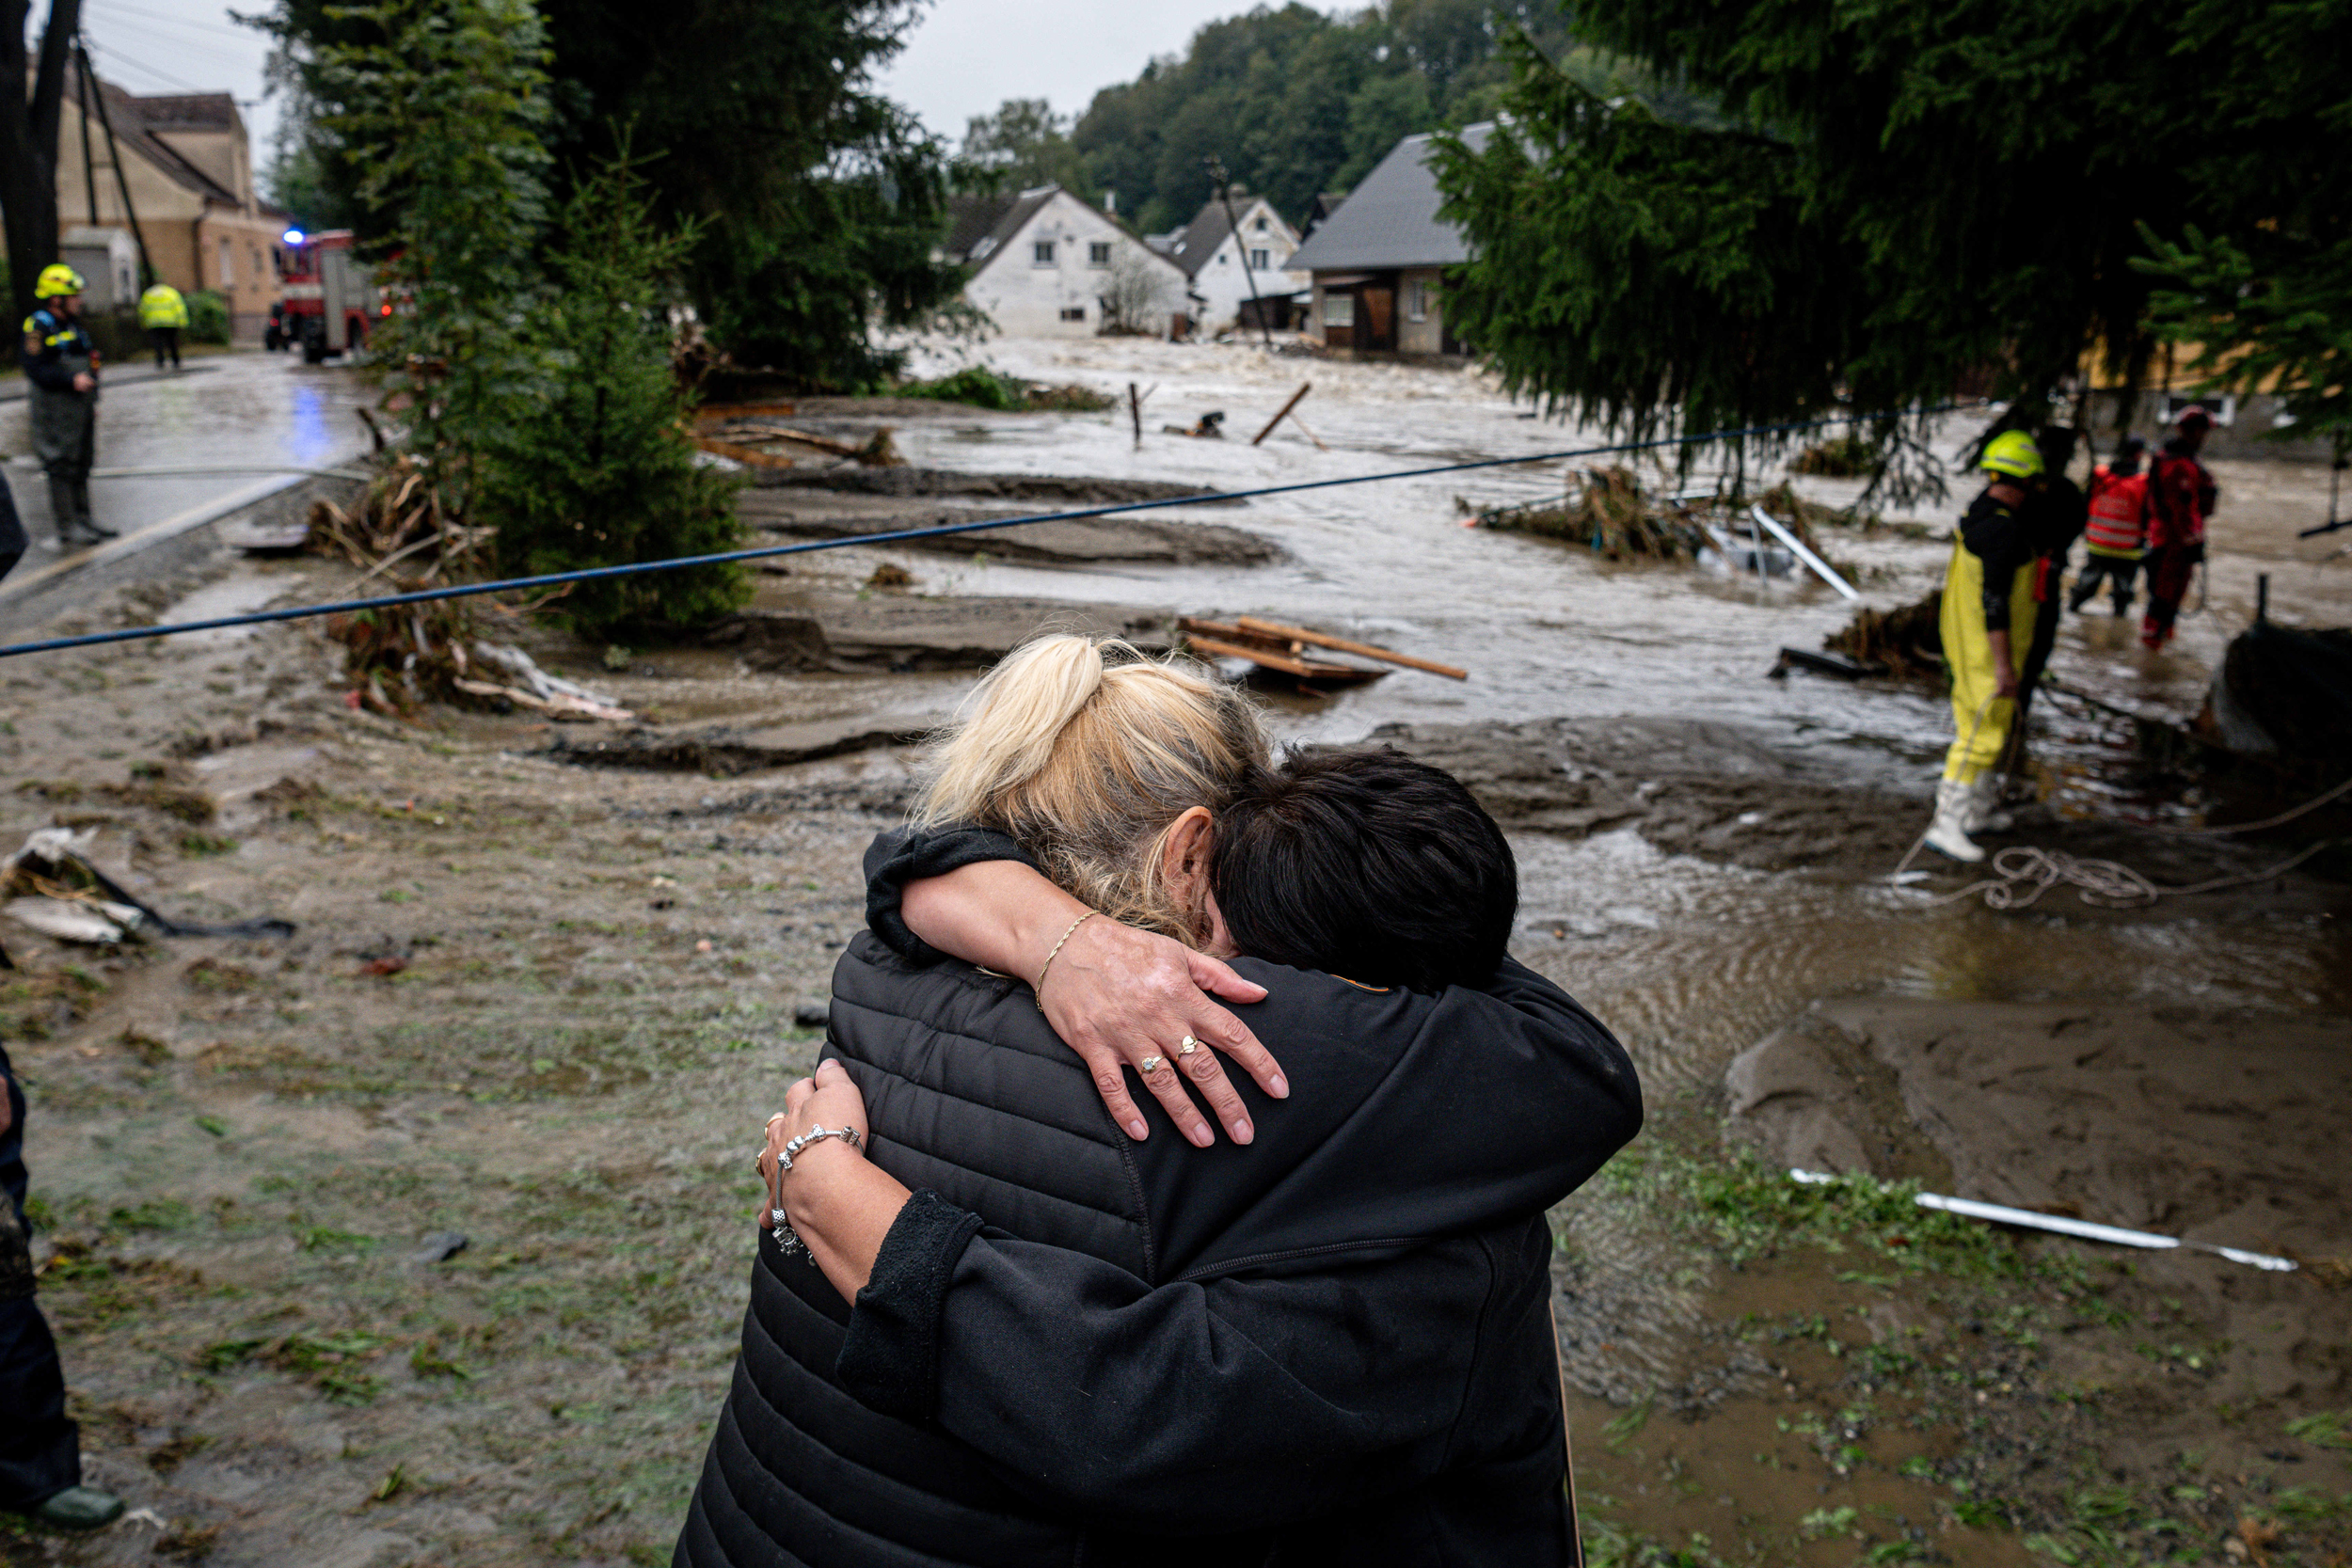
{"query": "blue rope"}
(596, 574)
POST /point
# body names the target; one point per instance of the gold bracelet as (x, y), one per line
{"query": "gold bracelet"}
(1037, 991)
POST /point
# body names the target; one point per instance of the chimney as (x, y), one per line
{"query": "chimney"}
(1110, 203)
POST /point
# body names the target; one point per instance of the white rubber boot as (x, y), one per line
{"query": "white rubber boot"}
(1985, 815)
(1948, 833)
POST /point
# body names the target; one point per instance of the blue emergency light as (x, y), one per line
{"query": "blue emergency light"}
(293, 236)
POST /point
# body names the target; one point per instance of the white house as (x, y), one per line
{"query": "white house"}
(1046, 264)
(1220, 264)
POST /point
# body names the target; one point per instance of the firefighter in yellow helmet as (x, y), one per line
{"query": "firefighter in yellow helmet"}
(1988, 588)
(61, 362)
(164, 314)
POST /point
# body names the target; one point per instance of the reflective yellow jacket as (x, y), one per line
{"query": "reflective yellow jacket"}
(162, 305)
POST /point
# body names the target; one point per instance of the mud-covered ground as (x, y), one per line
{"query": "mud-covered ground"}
(547, 980)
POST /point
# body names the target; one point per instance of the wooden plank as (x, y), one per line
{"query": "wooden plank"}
(1304, 388)
(1303, 669)
(1232, 634)
(1341, 644)
(750, 456)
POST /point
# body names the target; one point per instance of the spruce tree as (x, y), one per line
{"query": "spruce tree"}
(595, 467)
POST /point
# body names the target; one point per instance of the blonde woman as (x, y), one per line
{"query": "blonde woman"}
(997, 1321)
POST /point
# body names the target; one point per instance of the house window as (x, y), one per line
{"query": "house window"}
(1259, 225)
(986, 244)
(1074, 313)
(1417, 301)
(1042, 253)
(1099, 253)
(1339, 309)
(1258, 261)
(227, 273)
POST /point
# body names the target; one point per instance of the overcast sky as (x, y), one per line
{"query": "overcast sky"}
(964, 58)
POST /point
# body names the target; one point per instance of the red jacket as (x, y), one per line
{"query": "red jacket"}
(2181, 495)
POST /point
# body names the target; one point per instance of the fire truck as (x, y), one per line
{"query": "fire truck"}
(326, 305)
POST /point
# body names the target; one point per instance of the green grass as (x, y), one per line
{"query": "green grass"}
(1744, 1210)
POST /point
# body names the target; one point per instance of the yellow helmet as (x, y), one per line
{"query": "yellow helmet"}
(2011, 454)
(58, 278)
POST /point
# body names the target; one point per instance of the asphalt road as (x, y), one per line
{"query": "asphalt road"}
(263, 409)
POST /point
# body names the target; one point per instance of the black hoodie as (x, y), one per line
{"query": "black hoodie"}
(1330, 1344)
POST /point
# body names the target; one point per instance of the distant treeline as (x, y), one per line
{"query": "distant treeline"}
(1293, 100)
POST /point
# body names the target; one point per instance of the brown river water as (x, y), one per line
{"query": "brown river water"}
(1689, 960)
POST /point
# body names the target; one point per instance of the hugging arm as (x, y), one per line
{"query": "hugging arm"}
(1117, 995)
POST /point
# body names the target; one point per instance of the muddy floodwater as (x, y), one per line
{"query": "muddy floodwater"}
(419, 1237)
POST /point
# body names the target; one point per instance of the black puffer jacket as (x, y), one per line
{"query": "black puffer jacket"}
(1331, 1344)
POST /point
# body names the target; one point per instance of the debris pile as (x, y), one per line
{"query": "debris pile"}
(1607, 510)
(51, 885)
(1846, 456)
(528, 686)
(1907, 643)
(746, 435)
(398, 521)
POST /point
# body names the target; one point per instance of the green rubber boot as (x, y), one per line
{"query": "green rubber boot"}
(80, 1508)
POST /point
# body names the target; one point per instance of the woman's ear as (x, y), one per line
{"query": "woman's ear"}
(1185, 857)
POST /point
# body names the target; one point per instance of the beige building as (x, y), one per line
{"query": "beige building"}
(1379, 261)
(189, 166)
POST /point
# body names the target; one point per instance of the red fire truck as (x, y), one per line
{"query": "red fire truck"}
(326, 305)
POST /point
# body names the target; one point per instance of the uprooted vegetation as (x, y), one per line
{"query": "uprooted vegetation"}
(1906, 642)
(985, 389)
(1609, 511)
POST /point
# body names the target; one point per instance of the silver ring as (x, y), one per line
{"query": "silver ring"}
(1189, 1046)
(1151, 1064)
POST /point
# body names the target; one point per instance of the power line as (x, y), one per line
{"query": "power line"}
(124, 61)
(222, 28)
(197, 44)
(598, 574)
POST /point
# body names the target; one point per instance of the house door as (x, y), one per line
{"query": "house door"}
(1375, 321)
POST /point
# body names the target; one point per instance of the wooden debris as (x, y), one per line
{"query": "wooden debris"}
(1221, 639)
(1211, 428)
(1822, 663)
(1304, 388)
(539, 691)
(1341, 644)
(751, 457)
(1908, 640)
(880, 451)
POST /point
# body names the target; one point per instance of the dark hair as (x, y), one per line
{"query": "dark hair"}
(1366, 864)
(2056, 443)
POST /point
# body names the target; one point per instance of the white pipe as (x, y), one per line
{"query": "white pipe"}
(2002, 1214)
(1797, 547)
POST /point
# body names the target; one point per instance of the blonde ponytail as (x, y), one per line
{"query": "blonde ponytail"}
(1084, 752)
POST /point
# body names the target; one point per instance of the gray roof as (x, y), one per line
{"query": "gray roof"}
(1391, 219)
(993, 219)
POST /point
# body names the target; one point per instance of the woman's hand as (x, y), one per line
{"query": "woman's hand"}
(840, 1203)
(1119, 996)
(827, 1100)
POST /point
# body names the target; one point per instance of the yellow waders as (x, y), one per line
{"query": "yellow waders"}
(1968, 659)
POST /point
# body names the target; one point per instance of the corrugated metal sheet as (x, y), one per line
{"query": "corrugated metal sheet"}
(1391, 219)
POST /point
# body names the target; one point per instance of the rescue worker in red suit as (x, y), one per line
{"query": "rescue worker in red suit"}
(2117, 527)
(2181, 496)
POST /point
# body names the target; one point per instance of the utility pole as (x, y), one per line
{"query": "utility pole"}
(123, 178)
(1225, 193)
(28, 139)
